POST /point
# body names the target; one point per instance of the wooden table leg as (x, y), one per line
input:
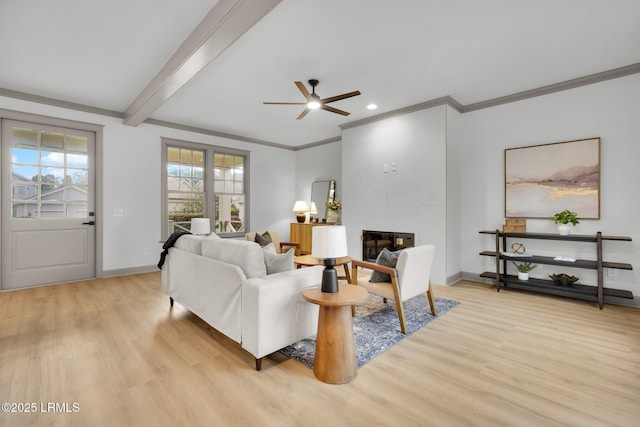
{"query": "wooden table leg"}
(335, 361)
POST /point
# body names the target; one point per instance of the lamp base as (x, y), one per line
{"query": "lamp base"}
(301, 217)
(329, 276)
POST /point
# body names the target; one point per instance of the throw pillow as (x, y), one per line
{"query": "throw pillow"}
(277, 263)
(388, 259)
(263, 239)
(269, 248)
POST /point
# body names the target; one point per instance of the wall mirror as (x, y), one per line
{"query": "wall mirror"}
(321, 191)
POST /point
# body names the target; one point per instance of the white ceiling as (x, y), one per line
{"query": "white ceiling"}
(397, 53)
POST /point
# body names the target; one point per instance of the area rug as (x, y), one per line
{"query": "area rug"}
(376, 327)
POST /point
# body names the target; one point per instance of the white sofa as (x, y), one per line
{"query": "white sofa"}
(225, 283)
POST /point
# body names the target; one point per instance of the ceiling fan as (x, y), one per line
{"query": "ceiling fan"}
(314, 101)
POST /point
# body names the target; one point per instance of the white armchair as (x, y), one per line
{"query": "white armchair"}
(408, 279)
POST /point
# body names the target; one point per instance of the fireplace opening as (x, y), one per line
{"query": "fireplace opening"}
(373, 242)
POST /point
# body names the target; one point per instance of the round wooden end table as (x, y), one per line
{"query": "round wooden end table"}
(335, 361)
(308, 260)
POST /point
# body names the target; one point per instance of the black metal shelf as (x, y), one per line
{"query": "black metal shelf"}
(579, 263)
(554, 236)
(585, 292)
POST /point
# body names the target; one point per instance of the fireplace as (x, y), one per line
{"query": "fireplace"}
(374, 241)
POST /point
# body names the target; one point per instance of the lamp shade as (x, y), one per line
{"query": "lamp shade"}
(329, 241)
(314, 209)
(300, 206)
(200, 226)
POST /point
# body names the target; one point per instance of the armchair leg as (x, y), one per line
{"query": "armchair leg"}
(171, 301)
(431, 301)
(258, 364)
(399, 307)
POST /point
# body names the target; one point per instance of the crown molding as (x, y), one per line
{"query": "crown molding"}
(211, 132)
(556, 87)
(445, 100)
(318, 143)
(59, 103)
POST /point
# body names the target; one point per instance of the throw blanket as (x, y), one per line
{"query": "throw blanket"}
(169, 244)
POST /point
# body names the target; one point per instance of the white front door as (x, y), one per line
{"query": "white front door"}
(48, 204)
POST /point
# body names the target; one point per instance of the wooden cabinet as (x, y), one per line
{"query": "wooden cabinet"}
(585, 292)
(301, 233)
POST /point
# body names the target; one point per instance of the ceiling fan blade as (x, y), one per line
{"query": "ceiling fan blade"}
(304, 90)
(304, 113)
(285, 103)
(334, 110)
(339, 97)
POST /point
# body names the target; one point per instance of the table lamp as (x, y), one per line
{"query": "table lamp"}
(328, 243)
(301, 207)
(200, 226)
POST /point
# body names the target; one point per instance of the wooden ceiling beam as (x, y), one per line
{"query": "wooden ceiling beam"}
(223, 25)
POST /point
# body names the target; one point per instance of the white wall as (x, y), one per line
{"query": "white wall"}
(609, 110)
(411, 199)
(131, 181)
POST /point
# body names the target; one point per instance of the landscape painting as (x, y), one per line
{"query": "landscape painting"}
(544, 179)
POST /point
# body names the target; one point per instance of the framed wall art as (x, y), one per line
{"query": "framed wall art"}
(544, 179)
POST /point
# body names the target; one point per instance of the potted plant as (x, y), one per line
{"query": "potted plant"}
(565, 218)
(523, 269)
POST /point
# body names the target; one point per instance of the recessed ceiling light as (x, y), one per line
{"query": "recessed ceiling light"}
(372, 107)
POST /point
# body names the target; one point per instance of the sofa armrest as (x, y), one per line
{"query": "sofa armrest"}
(274, 314)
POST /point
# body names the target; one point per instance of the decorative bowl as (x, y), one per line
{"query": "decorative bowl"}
(563, 279)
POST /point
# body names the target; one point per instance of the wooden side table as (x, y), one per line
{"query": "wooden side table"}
(308, 260)
(335, 361)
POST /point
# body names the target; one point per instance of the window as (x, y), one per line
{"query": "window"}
(49, 175)
(202, 181)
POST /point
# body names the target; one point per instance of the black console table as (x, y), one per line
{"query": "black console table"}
(584, 292)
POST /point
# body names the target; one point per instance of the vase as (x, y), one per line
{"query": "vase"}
(523, 276)
(333, 217)
(564, 229)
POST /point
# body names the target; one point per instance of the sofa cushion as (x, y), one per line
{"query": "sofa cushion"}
(263, 239)
(387, 259)
(277, 263)
(192, 243)
(246, 255)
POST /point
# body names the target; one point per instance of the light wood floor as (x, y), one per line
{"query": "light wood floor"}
(115, 348)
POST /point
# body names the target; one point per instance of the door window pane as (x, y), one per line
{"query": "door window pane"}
(76, 144)
(51, 158)
(24, 137)
(50, 174)
(77, 160)
(24, 156)
(52, 140)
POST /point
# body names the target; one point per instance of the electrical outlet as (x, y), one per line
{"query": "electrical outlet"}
(612, 272)
(385, 167)
(393, 167)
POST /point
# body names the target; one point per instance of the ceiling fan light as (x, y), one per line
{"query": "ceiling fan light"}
(313, 105)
